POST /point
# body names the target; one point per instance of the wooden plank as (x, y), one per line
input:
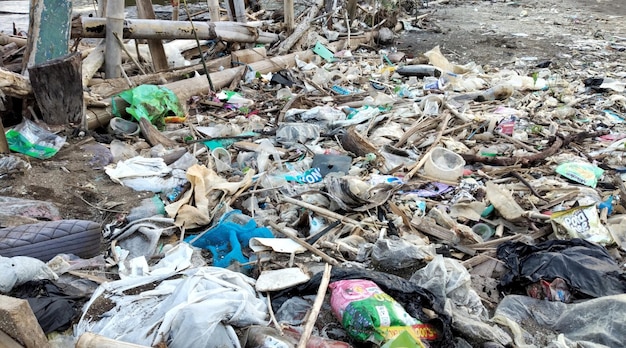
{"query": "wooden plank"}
(18, 321)
(249, 55)
(58, 89)
(49, 31)
(159, 60)
(7, 342)
(91, 340)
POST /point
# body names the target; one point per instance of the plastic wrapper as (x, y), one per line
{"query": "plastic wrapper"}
(587, 268)
(369, 314)
(582, 173)
(581, 222)
(34, 141)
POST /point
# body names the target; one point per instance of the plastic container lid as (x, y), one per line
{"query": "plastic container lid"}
(444, 164)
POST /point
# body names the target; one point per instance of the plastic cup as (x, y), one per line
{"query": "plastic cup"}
(483, 230)
(444, 164)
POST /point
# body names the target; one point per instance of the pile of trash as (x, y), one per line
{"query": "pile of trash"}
(358, 197)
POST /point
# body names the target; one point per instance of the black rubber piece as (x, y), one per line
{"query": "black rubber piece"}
(45, 240)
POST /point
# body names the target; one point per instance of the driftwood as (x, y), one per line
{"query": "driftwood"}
(7, 39)
(301, 28)
(153, 136)
(58, 89)
(13, 84)
(531, 160)
(87, 27)
(159, 60)
(92, 63)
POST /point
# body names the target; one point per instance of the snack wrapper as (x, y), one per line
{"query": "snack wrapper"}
(581, 222)
(369, 314)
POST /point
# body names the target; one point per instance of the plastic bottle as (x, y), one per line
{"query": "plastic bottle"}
(419, 70)
(149, 207)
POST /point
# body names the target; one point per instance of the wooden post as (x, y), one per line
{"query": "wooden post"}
(4, 145)
(289, 15)
(19, 322)
(58, 89)
(49, 31)
(113, 51)
(159, 60)
(214, 10)
(236, 10)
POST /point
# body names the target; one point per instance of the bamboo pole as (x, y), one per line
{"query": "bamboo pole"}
(317, 306)
(89, 27)
(114, 26)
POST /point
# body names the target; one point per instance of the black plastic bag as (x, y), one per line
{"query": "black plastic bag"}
(587, 268)
(54, 307)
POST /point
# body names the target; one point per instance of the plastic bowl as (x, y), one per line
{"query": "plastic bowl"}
(444, 164)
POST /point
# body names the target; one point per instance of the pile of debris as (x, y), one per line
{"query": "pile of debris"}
(337, 195)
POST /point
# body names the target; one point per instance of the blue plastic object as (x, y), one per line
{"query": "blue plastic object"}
(226, 240)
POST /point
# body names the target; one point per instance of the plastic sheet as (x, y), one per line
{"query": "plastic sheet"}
(587, 268)
(591, 323)
(18, 270)
(194, 308)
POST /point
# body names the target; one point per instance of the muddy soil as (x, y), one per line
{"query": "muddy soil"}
(572, 33)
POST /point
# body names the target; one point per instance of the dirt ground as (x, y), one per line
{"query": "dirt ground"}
(570, 33)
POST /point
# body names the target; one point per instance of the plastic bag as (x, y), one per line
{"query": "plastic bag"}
(152, 102)
(34, 141)
(587, 268)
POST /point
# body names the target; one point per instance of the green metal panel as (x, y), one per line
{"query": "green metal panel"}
(54, 33)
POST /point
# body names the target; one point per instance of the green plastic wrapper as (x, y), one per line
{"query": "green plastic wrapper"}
(369, 314)
(582, 173)
(151, 102)
(31, 140)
